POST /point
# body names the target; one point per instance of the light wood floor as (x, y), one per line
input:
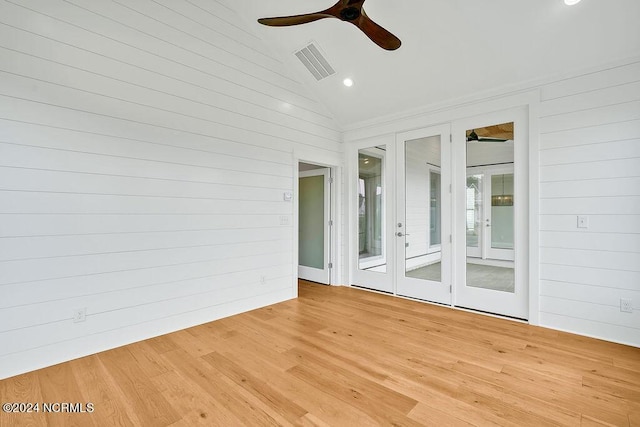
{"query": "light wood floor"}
(345, 357)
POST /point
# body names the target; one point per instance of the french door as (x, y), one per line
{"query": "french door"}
(372, 218)
(441, 213)
(423, 214)
(490, 162)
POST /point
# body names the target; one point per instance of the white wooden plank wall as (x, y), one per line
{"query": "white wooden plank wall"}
(145, 147)
(590, 165)
(417, 203)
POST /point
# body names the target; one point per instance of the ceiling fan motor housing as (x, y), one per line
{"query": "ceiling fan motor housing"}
(350, 14)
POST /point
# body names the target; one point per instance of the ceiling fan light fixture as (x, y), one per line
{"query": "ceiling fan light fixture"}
(571, 2)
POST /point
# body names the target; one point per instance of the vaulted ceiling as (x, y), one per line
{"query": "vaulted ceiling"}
(451, 49)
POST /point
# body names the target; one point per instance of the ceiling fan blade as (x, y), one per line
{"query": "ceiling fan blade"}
(284, 21)
(376, 33)
(487, 139)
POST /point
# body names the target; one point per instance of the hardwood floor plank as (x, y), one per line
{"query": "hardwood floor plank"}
(515, 395)
(188, 399)
(340, 356)
(323, 406)
(593, 403)
(257, 387)
(428, 415)
(99, 388)
(21, 389)
(148, 404)
(219, 387)
(58, 385)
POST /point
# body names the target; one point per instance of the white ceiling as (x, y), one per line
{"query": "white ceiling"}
(451, 49)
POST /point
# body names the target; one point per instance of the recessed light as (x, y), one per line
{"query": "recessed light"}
(347, 82)
(571, 2)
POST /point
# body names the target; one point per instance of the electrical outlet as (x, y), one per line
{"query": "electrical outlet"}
(80, 315)
(626, 306)
(284, 220)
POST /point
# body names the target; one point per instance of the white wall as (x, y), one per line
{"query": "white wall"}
(587, 128)
(145, 147)
(417, 199)
(590, 165)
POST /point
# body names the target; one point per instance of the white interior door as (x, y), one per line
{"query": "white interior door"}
(313, 225)
(491, 213)
(423, 212)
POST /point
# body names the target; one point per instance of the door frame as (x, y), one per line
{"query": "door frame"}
(315, 274)
(334, 163)
(510, 304)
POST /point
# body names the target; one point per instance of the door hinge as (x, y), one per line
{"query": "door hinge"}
(450, 289)
(330, 265)
(331, 180)
(449, 188)
(450, 239)
(330, 223)
(450, 138)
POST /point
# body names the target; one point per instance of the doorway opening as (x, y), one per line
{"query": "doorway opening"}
(314, 223)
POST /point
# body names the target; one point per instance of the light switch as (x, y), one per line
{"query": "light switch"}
(583, 221)
(287, 196)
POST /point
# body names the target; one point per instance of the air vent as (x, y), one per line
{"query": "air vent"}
(317, 65)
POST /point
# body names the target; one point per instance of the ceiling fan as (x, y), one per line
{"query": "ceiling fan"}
(473, 137)
(345, 10)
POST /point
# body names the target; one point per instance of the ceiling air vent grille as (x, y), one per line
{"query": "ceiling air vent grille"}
(317, 65)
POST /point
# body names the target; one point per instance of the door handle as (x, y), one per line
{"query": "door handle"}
(399, 234)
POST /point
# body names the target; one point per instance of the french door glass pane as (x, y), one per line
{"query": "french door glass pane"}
(422, 222)
(489, 208)
(371, 241)
(435, 234)
(502, 226)
(473, 212)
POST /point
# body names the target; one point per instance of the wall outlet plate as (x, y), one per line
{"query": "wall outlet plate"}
(626, 306)
(80, 315)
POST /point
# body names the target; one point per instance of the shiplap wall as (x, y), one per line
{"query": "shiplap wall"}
(417, 199)
(145, 147)
(590, 165)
